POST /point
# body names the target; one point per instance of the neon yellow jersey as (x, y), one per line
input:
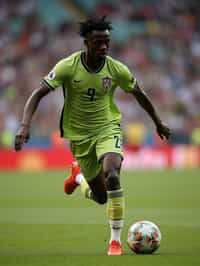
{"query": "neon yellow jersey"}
(88, 106)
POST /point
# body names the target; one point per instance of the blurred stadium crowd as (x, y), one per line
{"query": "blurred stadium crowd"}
(158, 40)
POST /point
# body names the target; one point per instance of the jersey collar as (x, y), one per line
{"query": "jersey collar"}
(87, 67)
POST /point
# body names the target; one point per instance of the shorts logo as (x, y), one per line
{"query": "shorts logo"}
(51, 75)
(107, 83)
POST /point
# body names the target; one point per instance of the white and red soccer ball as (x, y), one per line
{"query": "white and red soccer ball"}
(144, 237)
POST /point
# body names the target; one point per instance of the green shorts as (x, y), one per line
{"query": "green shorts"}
(90, 151)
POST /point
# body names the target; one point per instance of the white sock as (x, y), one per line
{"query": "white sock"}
(116, 229)
(79, 178)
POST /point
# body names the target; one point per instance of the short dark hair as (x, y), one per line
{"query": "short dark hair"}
(94, 24)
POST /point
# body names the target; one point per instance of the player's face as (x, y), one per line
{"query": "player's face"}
(98, 43)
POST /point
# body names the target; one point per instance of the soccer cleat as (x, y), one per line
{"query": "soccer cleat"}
(115, 248)
(70, 183)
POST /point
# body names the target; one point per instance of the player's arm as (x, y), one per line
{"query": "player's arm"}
(53, 80)
(31, 105)
(145, 102)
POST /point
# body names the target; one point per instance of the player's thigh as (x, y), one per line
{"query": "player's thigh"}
(110, 142)
(85, 155)
(90, 166)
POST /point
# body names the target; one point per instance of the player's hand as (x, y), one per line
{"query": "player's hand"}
(21, 137)
(163, 130)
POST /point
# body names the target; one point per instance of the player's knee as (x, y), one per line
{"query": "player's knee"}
(112, 182)
(102, 199)
(112, 165)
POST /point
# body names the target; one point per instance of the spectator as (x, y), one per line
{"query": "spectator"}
(162, 49)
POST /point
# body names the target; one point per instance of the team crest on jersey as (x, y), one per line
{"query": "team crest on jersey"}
(107, 83)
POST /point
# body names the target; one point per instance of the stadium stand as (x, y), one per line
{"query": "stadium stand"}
(160, 42)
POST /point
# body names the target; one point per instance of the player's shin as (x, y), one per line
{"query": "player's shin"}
(115, 212)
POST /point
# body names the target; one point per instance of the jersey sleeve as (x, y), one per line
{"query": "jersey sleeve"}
(57, 76)
(125, 79)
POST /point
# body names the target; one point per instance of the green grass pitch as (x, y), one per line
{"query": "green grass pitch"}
(39, 225)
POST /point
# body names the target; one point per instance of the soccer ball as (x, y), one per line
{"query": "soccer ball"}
(144, 237)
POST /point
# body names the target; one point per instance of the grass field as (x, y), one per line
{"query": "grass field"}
(39, 225)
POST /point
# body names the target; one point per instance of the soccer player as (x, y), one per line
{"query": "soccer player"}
(91, 120)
